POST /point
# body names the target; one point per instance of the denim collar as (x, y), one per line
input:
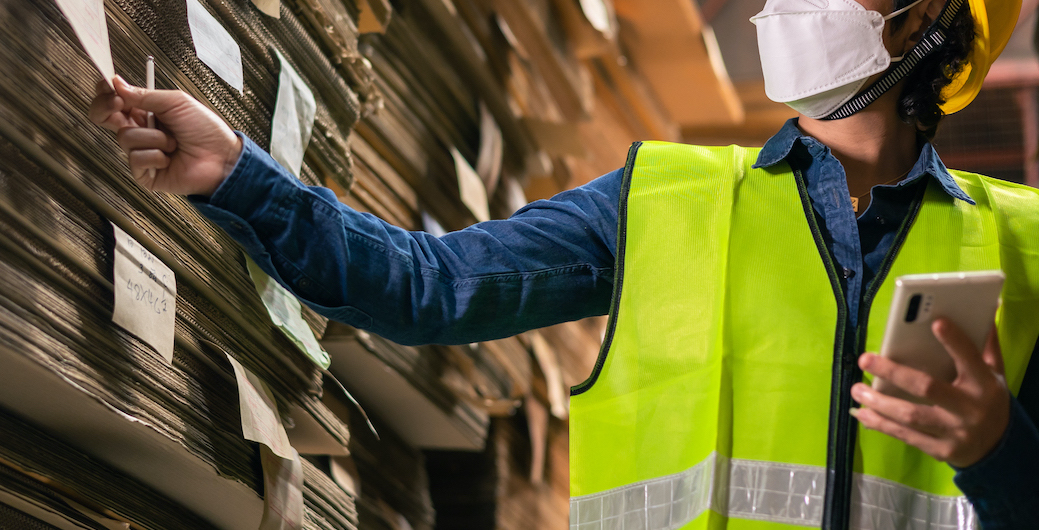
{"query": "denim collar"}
(779, 146)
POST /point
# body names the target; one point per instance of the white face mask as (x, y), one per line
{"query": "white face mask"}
(817, 54)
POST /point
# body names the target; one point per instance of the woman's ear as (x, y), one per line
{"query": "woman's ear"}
(934, 8)
(920, 19)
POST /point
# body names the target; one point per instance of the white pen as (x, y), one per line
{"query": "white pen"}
(149, 81)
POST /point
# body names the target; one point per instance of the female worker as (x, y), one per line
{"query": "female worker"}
(742, 284)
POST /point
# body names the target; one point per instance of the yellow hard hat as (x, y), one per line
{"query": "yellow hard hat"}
(994, 22)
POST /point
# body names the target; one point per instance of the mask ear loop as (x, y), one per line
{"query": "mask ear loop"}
(903, 10)
(932, 40)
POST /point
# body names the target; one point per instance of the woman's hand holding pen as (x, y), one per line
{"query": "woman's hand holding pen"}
(191, 152)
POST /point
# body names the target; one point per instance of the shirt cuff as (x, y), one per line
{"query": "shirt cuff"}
(246, 198)
(251, 195)
(1004, 485)
(253, 164)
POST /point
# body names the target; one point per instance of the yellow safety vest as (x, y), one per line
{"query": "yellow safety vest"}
(719, 399)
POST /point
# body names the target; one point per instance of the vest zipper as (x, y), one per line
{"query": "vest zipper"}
(873, 288)
(840, 439)
(885, 267)
(840, 450)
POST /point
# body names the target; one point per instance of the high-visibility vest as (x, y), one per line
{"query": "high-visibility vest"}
(712, 404)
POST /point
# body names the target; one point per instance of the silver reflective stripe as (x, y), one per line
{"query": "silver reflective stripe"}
(767, 491)
(781, 493)
(879, 503)
(667, 502)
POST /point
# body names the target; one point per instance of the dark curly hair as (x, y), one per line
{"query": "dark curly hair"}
(921, 99)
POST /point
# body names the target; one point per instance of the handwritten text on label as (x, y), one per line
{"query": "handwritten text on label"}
(145, 294)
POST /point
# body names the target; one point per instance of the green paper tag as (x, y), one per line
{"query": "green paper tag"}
(287, 313)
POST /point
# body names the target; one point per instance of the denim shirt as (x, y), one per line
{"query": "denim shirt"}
(551, 262)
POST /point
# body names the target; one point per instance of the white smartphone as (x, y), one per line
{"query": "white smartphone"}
(968, 299)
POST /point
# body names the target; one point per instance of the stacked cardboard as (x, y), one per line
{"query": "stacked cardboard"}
(432, 114)
(173, 426)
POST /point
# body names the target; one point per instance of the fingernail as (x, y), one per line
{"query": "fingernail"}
(858, 393)
(854, 412)
(865, 360)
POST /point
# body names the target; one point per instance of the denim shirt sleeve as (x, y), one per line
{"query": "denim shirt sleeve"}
(551, 262)
(1004, 486)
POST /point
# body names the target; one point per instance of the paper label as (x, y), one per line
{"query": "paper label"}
(515, 197)
(282, 467)
(271, 8)
(260, 420)
(432, 226)
(471, 188)
(287, 314)
(549, 364)
(87, 18)
(344, 473)
(598, 14)
(537, 425)
(282, 491)
(293, 118)
(492, 149)
(215, 46)
(145, 294)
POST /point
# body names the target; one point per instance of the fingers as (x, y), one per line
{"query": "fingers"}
(157, 101)
(927, 419)
(143, 161)
(912, 381)
(103, 87)
(960, 347)
(966, 418)
(132, 138)
(146, 150)
(139, 117)
(107, 111)
(993, 354)
(128, 106)
(938, 448)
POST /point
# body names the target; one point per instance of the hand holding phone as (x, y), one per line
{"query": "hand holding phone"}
(968, 299)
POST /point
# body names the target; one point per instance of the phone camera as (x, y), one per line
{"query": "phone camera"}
(914, 308)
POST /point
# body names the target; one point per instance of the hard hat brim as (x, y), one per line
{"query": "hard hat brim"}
(994, 22)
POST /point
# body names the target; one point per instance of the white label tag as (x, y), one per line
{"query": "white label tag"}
(549, 364)
(282, 467)
(432, 226)
(344, 473)
(293, 118)
(260, 420)
(471, 188)
(492, 149)
(145, 294)
(282, 491)
(88, 21)
(598, 14)
(271, 8)
(215, 46)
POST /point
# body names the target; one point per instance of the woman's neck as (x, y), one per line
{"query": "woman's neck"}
(873, 145)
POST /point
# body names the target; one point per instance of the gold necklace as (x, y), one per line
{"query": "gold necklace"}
(855, 200)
